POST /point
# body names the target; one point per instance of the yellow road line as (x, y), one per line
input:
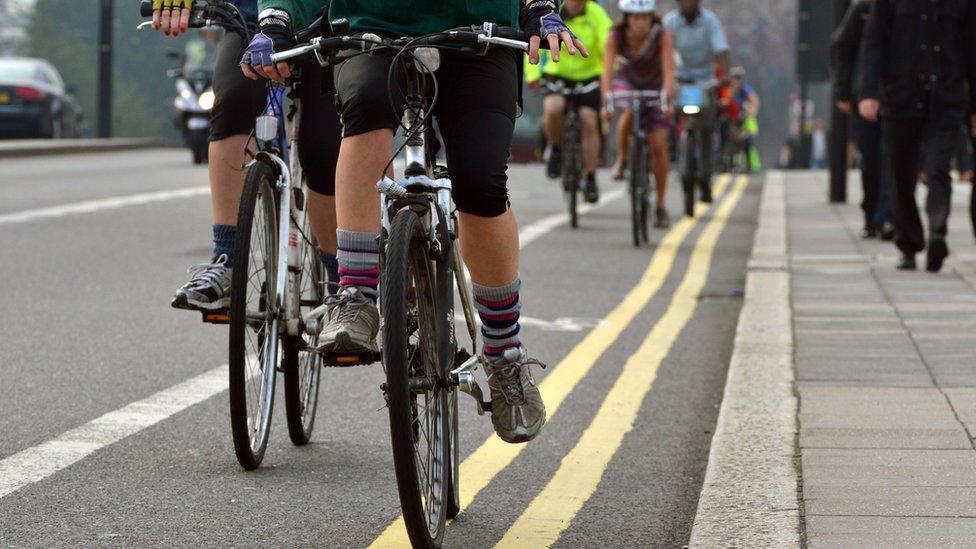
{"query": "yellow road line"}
(551, 512)
(494, 455)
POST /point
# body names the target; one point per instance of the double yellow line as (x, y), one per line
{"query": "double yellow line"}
(478, 470)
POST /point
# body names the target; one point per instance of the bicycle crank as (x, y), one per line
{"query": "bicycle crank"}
(463, 378)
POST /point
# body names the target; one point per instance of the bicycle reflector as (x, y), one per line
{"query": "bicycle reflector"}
(266, 128)
(691, 109)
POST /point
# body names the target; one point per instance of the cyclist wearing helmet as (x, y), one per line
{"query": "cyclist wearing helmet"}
(642, 51)
(700, 40)
(591, 24)
(238, 101)
(478, 100)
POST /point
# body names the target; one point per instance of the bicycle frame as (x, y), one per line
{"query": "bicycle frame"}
(277, 136)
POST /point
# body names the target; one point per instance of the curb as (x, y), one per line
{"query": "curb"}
(48, 147)
(749, 497)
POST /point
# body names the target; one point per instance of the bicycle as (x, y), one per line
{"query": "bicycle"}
(695, 103)
(638, 182)
(278, 282)
(571, 145)
(424, 363)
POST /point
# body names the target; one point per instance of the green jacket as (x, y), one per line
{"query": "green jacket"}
(403, 17)
(592, 28)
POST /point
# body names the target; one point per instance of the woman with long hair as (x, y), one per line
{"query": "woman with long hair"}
(639, 55)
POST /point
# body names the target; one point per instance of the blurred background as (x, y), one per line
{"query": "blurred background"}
(66, 33)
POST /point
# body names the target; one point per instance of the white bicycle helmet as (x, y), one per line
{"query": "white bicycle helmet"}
(637, 6)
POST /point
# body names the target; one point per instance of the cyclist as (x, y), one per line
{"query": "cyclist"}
(699, 39)
(238, 102)
(642, 51)
(747, 99)
(591, 24)
(476, 116)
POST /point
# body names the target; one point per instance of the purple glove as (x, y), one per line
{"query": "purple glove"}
(541, 18)
(258, 52)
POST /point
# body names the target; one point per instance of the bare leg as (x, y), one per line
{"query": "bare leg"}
(227, 178)
(361, 161)
(624, 127)
(591, 139)
(660, 163)
(322, 217)
(490, 247)
(552, 118)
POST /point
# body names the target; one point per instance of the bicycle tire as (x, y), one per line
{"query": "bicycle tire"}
(572, 170)
(253, 338)
(638, 170)
(409, 295)
(303, 367)
(448, 349)
(689, 174)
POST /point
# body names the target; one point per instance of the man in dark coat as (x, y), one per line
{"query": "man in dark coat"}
(916, 58)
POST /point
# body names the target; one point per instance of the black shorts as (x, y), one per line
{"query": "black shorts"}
(476, 109)
(239, 100)
(591, 99)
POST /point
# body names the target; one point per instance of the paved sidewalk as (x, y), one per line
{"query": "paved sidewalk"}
(886, 377)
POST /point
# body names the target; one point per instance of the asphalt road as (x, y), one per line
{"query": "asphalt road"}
(91, 249)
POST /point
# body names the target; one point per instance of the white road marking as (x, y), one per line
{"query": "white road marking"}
(39, 462)
(562, 324)
(43, 460)
(542, 226)
(111, 203)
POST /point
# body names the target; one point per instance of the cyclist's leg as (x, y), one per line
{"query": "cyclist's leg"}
(705, 139)
(368, 122)
(553, 109)
(660, 162)
(624, 129)
(238, 101)
(477, 120)
(318, 150)
(590, 122)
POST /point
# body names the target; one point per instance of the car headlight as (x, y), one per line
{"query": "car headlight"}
(207, 99)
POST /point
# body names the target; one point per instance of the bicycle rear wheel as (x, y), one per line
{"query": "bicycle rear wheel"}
(303, 366)
(415, 386)
(690, 172)
(253, 352)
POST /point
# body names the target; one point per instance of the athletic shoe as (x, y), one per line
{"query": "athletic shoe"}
(517, 410)
(354, 322)
(208, 288)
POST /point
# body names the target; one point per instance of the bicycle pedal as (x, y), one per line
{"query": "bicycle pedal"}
(344, 360)
(220, 316)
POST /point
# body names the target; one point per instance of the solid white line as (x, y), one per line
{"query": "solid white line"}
(43, 460)
(39, 462)
(101, 204)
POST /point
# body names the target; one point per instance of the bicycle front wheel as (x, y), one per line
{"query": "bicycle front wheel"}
(415, 386)
(303, 366)
(638, 183)
(572, 171)
(253, 353)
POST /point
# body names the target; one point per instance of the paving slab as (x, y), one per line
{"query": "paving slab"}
(889, 532)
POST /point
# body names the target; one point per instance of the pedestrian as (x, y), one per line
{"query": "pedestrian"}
(818, 146)
(915, 61)
(845, 53)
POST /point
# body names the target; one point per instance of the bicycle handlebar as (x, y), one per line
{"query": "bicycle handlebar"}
(487, 34)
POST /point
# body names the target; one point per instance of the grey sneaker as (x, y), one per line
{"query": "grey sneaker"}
(354, 322)
(208, 288)
(517, 410)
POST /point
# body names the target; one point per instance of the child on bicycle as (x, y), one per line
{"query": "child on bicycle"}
(639, 56)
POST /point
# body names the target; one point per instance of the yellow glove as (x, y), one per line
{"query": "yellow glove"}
(170, 4)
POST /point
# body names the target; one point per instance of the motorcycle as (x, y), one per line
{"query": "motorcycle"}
(193, 102)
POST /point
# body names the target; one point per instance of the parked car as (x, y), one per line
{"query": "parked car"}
(34, 101)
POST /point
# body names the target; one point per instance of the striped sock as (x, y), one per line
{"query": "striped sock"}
(499, 309)
(331, 265)
(359, 261)
(223, 241)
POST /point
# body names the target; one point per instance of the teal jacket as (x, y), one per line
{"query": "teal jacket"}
(404, 17)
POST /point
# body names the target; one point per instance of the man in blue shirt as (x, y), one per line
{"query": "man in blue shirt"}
(699, 39)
